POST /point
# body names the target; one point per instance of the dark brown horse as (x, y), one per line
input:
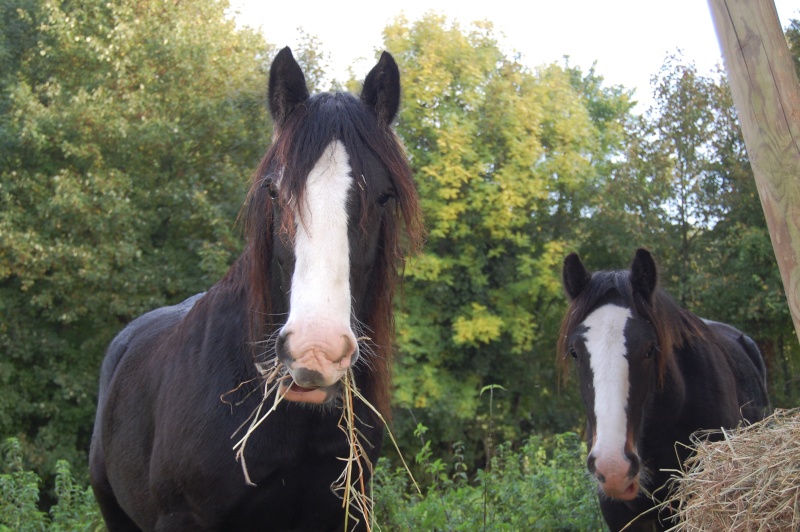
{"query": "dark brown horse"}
(313, 289)
(651, 374)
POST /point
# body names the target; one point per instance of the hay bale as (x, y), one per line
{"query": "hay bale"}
(747, 481)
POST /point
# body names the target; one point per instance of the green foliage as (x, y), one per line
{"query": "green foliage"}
(19, 491)
(503, 156)
(663, 192)
(128, 132)
(541, 486)
(74, 510)
(793, 40)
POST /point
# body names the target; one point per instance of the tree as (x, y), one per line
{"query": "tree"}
(503, 156)
(683, 126)
(128, 130)
(677, 178)
(685, 189)
(793, 40)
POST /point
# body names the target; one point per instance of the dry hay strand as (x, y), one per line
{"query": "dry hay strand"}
(351, 486)
(746, 480)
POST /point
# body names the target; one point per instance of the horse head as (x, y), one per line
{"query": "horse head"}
(611, 337)
(336, 178)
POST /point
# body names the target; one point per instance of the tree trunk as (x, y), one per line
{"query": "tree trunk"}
(767, 97)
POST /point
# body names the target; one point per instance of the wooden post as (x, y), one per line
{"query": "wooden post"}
(767, 97)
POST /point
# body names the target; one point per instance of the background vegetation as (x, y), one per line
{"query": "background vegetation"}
(128, 131)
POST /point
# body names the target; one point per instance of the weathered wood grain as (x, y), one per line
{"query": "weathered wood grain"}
(766, 93)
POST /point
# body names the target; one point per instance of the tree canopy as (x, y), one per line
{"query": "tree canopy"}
(503, 157)
(128, 131)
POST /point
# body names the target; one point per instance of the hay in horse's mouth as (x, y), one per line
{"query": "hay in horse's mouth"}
(351, 485)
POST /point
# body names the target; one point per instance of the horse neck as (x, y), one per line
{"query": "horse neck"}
(678, 333)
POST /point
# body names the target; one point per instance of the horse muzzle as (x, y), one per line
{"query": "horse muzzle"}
(316, 361)
(617, 476)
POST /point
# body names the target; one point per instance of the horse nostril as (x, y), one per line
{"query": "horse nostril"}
(351, 359)
(282, 349)
(349, 352)
(590, 464)
(635, 464)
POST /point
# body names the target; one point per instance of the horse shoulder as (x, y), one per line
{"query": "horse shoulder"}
(122, 414)
(145, 326)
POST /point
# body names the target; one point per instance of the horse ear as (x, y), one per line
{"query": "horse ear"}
(287, 86)
(381, 91)
(644, 274)
(575, 276)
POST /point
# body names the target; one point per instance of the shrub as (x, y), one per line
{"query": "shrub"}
(75, 508)
(542, 486)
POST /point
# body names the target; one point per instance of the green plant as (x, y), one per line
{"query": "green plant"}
(19, 492)
(542, 485)
(75, 509)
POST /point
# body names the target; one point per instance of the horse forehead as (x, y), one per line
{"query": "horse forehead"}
(604, 329)
(331, 178)
(326, 191)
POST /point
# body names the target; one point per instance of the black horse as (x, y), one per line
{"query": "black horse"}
(651, 374)
(313, 289)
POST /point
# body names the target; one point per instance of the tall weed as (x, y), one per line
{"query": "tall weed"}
(541, 486)
(75, 509)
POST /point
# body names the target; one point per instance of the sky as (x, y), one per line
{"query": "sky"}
(627, 40)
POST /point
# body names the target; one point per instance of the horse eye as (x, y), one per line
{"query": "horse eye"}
(573, 353)
(651, 351)
(269, 184)
(384, 198)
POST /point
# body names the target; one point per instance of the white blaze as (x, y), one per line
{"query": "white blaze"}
(605, 342)
(321, 279)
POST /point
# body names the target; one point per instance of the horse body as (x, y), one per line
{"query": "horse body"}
(315, 279)
(191, 477)
(650, 375)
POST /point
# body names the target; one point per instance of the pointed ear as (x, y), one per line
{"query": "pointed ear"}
(575, 276)
(644, 274)
(381, 91)
(287, 86)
